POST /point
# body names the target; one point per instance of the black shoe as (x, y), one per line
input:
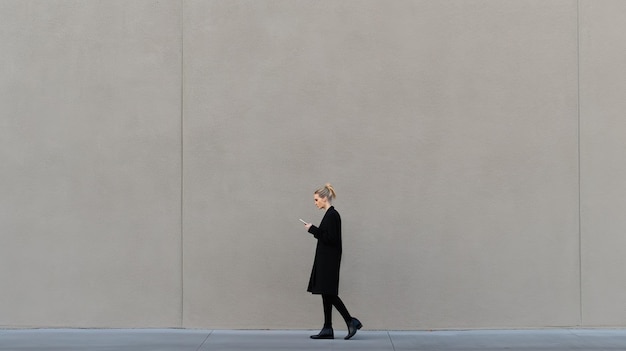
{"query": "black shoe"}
(353, 326)
(325, 333)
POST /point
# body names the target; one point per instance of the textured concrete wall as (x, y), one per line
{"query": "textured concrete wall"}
(91, 156)
(448, 128)
(158, 154)
(603, 171)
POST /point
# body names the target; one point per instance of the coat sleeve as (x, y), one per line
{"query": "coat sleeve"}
(327, 231)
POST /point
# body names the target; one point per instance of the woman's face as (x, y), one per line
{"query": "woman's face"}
(320, 202)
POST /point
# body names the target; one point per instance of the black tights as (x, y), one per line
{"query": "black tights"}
(330, 301)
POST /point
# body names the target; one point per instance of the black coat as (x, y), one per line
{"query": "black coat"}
(325, 273)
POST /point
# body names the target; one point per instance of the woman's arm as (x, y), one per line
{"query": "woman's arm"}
(328, 231)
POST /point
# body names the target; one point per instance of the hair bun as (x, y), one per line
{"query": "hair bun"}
(327, 191)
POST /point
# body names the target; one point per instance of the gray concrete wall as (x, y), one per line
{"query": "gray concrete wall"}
(158, 154)
(603, 172)
(91, 163)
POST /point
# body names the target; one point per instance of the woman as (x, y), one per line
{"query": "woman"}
(325, 274)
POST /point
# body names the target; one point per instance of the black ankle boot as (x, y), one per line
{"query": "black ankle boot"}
(325, 333)
(353, 326)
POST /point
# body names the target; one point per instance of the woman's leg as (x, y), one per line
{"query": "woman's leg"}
(328, 311)
(352, 323)
(327, 330)
(334, 300)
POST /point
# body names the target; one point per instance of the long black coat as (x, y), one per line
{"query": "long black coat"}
(325, 273)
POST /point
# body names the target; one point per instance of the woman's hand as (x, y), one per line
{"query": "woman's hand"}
(307, 226)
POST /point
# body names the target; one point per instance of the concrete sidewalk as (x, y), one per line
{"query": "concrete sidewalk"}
(276, 340)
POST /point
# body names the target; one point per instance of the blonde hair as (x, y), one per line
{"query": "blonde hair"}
(327, 191)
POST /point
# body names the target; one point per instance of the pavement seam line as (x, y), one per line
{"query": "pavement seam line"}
(391, 341)
(205, 339)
